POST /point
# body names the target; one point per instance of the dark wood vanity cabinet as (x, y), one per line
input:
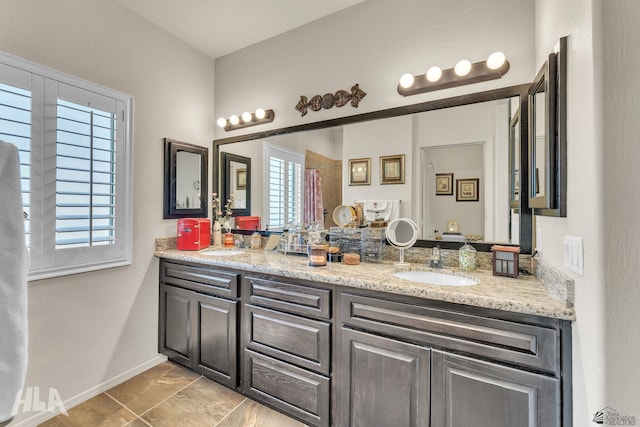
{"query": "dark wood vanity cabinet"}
(432, 365)
(286, 345)
(198, 326)
(336, 356)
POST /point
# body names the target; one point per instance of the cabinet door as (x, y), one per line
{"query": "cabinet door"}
(216, 339)
(473, 393)
(385, 382)
(176, 306)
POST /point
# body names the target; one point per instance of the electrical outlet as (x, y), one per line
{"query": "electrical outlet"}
(574, 254)
(539, 239)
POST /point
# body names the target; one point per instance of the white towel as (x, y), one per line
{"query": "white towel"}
(13, 282)
(385, 209)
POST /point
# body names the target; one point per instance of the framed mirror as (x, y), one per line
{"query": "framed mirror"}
(418, 126)
(514, 160)
(542, 136)
(185, 180)
(236, 179)
(548, 134)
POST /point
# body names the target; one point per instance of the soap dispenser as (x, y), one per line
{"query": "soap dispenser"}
(436, 257)
(467, 255)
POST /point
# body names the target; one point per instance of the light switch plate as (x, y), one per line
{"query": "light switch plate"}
(574, 254)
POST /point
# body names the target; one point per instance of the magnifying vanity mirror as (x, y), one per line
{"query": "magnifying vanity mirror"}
(185, 180)
(414, 131)
(402, 233)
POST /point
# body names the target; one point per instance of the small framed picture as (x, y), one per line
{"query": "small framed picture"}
(444, 184)
(452, 227)
(392, 169)
(241, 179)
(467, 190)
(360, 171)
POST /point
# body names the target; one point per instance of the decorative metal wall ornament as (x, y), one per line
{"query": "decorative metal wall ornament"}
(329, 100)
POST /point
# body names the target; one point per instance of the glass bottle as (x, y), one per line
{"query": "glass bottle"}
(467, 255)
(256, 240)
(217, 233)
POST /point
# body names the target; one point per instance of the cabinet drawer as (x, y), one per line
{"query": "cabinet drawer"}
(298, 340)
(294, 391)
(522, 344)
(290, 297)
(200, 278)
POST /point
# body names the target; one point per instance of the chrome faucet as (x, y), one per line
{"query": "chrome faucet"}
(435, 258)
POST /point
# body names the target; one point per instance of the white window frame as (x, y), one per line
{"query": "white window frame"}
(289, 156)
(46, 85)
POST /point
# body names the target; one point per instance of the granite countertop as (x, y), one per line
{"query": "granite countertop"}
(523, 295)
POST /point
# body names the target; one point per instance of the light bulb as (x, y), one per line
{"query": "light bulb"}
(406, 80)
(434, 74)
(234, 120)
(463, 67)
(260, 113)
(222, 122)
(495, 60)
(246, 117)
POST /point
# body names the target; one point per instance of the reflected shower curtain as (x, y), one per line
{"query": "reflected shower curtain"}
(313, 208)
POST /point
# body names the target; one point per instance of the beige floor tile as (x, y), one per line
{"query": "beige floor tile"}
(203, 403)
(252, 414)
(138, 422)
(146, 390)
(100, 411)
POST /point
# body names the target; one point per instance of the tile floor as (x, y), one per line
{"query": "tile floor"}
(170, 395)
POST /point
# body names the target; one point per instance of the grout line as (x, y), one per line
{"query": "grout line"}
(123, 405)
(137, 418)
(170, 396)
(231, 412)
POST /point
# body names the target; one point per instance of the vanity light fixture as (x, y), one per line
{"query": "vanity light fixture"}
(260, 116)
(463, 73)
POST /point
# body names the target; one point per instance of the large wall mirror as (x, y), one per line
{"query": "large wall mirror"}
(466, 138)
(185, 180)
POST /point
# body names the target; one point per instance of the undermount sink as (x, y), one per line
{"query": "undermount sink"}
(222, 252)
(433, 278)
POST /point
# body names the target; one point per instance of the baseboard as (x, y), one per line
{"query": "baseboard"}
(92, 392)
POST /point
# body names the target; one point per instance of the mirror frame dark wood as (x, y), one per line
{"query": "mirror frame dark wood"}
(521, 90)
(557, 205)
(544, 82)
(171, 148)
(514, 147)
(225, 165)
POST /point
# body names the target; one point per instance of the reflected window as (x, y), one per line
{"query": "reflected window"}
(284, 192)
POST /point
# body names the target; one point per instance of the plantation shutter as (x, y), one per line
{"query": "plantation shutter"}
(284, 188)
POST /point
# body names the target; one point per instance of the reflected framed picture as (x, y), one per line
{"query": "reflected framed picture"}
(360, 171)
(467, 190)
(444, 184)
(392, 169)
(241, 179)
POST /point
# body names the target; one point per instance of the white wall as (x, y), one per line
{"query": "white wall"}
(621, 110)
(388, 137)
(87, 329)
(464, 161)
(486, 123)
(373, 44)
(579, 20)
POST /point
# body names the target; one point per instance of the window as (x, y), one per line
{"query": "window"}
(283, 187)
(74, 144)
